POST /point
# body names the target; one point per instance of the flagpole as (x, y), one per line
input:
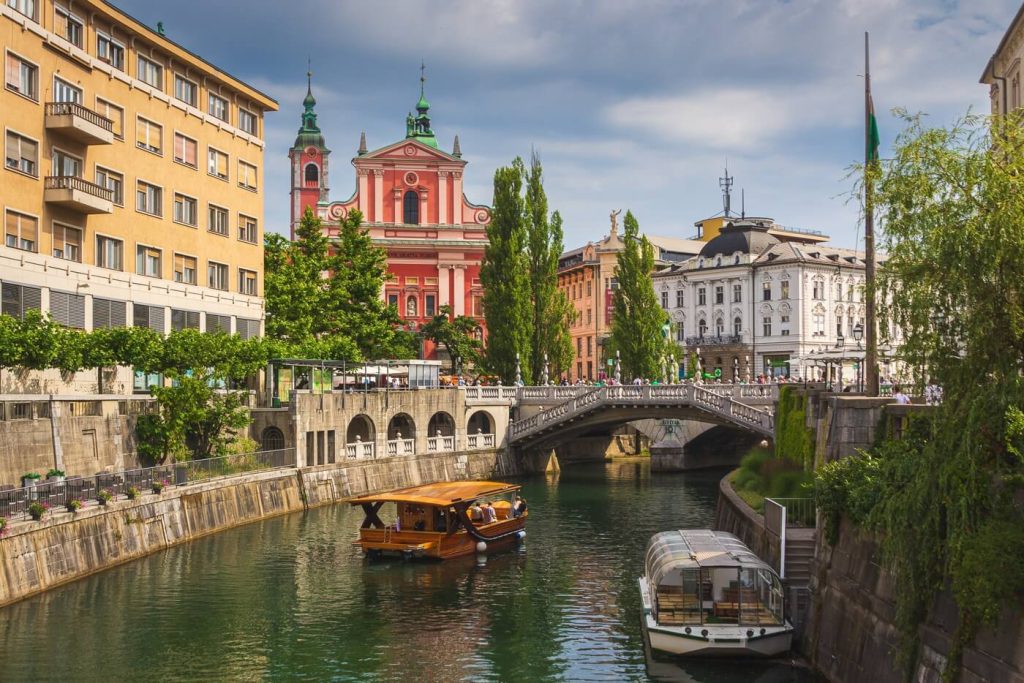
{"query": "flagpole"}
(871, 333)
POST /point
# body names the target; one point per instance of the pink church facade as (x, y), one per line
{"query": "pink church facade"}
(411, 198)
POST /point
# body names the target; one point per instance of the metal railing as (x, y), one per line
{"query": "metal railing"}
(57, 493)
(800, 512)
(71, 182)
(717, 340)
(76, 109)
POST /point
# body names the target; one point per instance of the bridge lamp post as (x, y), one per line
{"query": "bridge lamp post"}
(618, 368)
(858, 334)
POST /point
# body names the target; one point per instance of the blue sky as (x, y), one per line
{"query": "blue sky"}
(632, 105)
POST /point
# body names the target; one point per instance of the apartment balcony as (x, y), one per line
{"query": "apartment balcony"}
(79, 123)
(78, 194)
(724, 340)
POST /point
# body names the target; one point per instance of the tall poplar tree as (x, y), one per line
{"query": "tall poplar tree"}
(551, 310)
(506, 280)
(637, 329)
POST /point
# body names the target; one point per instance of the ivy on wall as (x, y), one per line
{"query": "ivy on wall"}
(793, 439)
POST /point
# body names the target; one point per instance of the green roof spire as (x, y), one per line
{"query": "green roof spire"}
(418, 127)
(309, 131)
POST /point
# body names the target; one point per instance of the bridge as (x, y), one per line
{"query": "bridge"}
(603, 406)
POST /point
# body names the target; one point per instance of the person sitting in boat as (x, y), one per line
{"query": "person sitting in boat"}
(476, 513)
(515, 506)
(520, 507)
(489, 514)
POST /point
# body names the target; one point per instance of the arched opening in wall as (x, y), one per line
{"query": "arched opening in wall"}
(737, 326)
(272, 439)
(312, 174)
(480, 422)
(411, 208)
(360, 429)
(441, 422)
(401, 426)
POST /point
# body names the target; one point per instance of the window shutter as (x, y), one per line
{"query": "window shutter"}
(101, 309)
(76, 311)
(156, 319)
(32, 298)
(118, 314)
(192, 320)
(59, 307)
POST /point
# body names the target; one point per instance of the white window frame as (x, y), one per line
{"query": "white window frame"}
(249, 179)
(159, 208)
(141, 249)
(143, 65)
(21, 240)
(54, 151)
(21, 7)
(213, 97)
(243, 228)
(242, 279)
(179, 134)
(100, 252)
(70, 87)
(195, 269)
(222, 268)
(242, 113)
(66, 15)
(147, 145)
(55, 225)
(221, 210)
(211, 163)
(178, 78)
(118, 196)
(101, 103)
(33, 91)
(181, 219)
(17, 168)
(116, 48)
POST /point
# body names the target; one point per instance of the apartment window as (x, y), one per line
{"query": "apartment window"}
(114, 113)
(16, 299)
(246, 175)
(185, 210)
(185, 90)
(590, 317)
(21, 231)
(849, 293)
(784, 324)
(185, 269)
(149, 316)
(702, 327)
(110, 51)
(109, 253)
(218, 323)
(66, 165)
(184, 320)
(247, 121)
(719, 294)
(217, 163)
(68, 309)
(218, 107)
(392, 299)
(247, 329)
(702, 297)
(149, 136)
(818, 320)
(430, 305)
(218, 220)
(679, 298)
(766, 291)
(217, 276)
(478, 310)
(247, 282)
(766, 324)
(151, 73)
(113, 181)
(247, 230)
(186, 150)
(784, 285)
(67, 242)
(22, 77)
(21, 154)
(26, 7)
(107, 313)
(719, 327)
(590, 345)
(664, 300)
(589, 288)
(737, 294)
(839, 325)
(579, 346)
(737, 326)
(149, 198)
(147, 261)
(680, 332)
(65, 92)
(68, 26)
(819, 291)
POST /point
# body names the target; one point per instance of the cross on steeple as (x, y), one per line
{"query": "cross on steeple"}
(309, 74)
(423, 76)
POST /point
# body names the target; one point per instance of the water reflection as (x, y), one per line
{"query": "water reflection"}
(292, 599)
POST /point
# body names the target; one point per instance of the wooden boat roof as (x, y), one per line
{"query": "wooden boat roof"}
(441, 493)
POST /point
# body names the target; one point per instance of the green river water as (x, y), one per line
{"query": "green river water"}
(290, 599)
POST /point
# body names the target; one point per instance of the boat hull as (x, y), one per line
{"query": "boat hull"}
(439, 546)
(714, 640)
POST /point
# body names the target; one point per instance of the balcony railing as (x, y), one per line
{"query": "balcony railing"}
(401, 447)
(70, 182)
(714, 341)
(479, 440)
(438, 444)
(75, 109)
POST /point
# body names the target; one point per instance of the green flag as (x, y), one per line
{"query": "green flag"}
(872, 142)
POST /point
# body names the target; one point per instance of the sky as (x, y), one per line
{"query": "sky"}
(633, 105)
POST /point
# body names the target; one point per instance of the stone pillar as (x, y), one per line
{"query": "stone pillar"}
(442, 198)
(424, 219)
(442, 286)
(364, 184)
(378, 196)
(457, 198)
(398, 205)
(459, 305)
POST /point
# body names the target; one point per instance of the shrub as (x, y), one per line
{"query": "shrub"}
(36, 510)
(74, 505)
(54, 472)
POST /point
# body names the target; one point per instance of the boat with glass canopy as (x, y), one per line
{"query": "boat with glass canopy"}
(442, 520)
(705, 593)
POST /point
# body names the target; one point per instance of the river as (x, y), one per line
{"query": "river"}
(290, 598)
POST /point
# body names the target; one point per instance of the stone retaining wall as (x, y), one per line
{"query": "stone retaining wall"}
(36, 556)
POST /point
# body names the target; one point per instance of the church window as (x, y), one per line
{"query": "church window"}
(312, 174)
(411, 205)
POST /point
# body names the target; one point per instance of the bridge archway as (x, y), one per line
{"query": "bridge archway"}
(272, 439)
(480, 422)
(441, 422)
(403, 424)
(361, 426)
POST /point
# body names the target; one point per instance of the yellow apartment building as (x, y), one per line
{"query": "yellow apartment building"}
(132, 187)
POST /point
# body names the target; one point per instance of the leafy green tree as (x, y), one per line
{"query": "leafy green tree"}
(294, 287)
(506, 280)
(456, 333)
(552, 312)
(638, 321)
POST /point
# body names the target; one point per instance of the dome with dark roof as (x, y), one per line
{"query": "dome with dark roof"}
(743, 236)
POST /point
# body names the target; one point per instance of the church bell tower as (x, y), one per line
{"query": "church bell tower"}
(309, 157)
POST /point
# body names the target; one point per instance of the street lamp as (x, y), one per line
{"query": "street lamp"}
(858, 334)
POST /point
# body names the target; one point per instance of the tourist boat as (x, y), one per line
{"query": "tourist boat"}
(439, 521)
(705, 593)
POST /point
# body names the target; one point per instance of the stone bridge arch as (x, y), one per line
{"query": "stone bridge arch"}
(480, 422)
(401, 423)
(442, 422)
(361, 428)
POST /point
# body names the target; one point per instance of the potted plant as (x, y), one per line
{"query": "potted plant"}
(132, 493)
(55, 474)
(74, 505)
(29, 480)
(36, 510)
(158, 486)
(103, 496)
(3, 526)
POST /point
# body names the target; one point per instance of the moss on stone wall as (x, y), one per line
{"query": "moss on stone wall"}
(793, 439)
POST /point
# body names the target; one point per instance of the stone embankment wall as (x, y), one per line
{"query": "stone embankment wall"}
(742, 521)
(36, 556)
(852, 636)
